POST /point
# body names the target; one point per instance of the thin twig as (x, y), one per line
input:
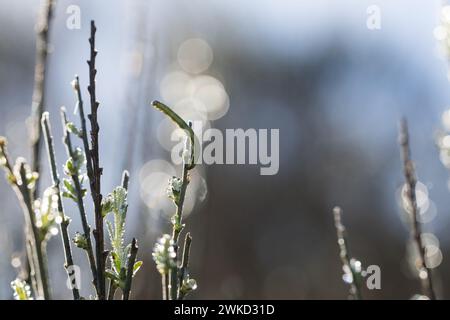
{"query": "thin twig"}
(79, 193)
(64, 225)
(179, 213)
(355, 288)
(40, 70)
(31, 261)
(177, 228)
(416, 232)
(95, 175)
(37, 100)
(184, 263)
(130, 267)
(89, 169)
(84, 137)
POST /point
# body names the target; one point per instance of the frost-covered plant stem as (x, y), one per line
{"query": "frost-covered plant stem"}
(355, 286)
(123, 265)
(175, 284)
(36, 253)
(174, 279)
(64, 224)
(133, 251)
(416, 232)
(79, 200)
(131, 258)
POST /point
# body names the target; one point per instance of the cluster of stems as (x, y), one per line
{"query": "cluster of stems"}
(18, 178)
(24, 180)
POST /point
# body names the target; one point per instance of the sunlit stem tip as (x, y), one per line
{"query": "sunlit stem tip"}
(182, 125)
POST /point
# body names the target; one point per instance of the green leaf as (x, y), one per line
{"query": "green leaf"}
(136, 267)
(66, 194)
(116, 261)
(111, 275)
(73, 129)
(106, 206)
(69, 187)
(69, 168)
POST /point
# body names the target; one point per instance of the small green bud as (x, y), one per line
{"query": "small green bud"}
(69, 168)
(107, 205)
(73, 129)
(80, 241)
(174, 189)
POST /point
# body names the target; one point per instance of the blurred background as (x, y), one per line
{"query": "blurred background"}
(334, 87)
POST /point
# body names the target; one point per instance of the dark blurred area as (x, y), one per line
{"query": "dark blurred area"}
(312, 69)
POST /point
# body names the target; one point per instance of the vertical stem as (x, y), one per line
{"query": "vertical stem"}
(40, 70)
(416, 232)
(130, 267)
(184, 263)
(179, 213)
(64, 226)
(96, 173)
(31, 262)
(80, 203)
(165, 286)
(40, 263)
(177, 228)
(37, 102)
(91, 176)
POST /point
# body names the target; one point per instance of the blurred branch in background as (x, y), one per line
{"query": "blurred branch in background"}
(416, 230)
(40, 70)
(351, 266)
